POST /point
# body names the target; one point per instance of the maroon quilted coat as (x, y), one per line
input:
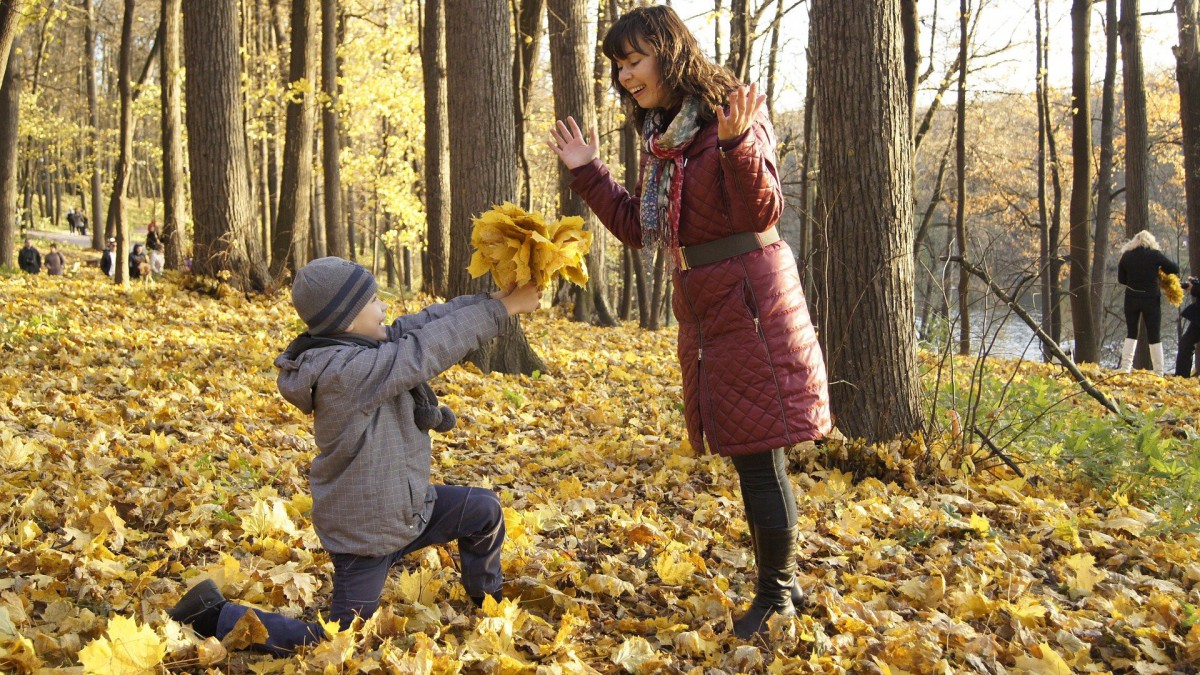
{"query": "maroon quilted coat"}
(753, 373)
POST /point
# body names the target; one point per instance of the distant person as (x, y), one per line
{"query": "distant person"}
(55, 262)
(364, 382)
(157, 261)
(137, 258)
(72, 220)
(83, 223)
(153, 241)
(109, 257)
(29, 259)
(1185, 359)
(1138, 273)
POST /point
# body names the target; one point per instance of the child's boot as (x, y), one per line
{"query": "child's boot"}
(200, 607)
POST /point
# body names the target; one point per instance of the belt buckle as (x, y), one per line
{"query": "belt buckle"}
(681, 255)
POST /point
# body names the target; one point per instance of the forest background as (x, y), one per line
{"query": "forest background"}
(263, 133)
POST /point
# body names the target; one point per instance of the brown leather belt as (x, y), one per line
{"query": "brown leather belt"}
(725, 248)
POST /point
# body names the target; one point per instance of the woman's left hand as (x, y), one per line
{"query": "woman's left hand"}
(744, 104)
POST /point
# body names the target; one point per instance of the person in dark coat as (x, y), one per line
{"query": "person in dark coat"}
(1137, 271)
(754, 378)
(108, 258)
(29, 259)
(1186, 356)
(137, 259)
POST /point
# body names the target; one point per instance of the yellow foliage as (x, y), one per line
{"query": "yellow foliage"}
(124, 648)
(1169, 283)
(520, 248)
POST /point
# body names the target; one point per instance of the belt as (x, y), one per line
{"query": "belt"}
(725, 248)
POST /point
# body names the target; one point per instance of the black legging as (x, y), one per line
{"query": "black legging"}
(1187, 350)
(1148, 308)
(766, 489)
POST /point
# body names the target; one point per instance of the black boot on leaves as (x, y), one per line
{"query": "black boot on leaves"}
(477, 600)
(200, 607)
(775, 554)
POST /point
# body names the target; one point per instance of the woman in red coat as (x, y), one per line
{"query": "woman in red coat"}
(709, 196)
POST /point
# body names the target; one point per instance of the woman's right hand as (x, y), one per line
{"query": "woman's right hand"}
(522, 300)
(567, 141)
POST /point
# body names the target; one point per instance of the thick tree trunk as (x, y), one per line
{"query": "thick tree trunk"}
(482, 148)
(571, 71)
(125, 157)
(10, 13)
(741, 39)
(226, 244)
(93, 155)
(335, 226)
(174, 205)
(1188, 73)
(290, 232)
(1104, 170)
(528, 41)
(1081, 184)
(437, 150)
(10, 113)
(1137, 139)
(866, 183)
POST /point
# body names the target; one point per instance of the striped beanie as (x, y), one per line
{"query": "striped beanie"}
(329, 292)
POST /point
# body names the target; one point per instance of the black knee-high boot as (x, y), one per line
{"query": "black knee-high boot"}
(775, 555)
(797, 592)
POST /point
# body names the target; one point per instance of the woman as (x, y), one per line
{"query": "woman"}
(137, 258)
(709, 196)
(1138, 273)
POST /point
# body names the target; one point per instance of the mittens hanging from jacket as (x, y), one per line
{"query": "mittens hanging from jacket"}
(427, 413)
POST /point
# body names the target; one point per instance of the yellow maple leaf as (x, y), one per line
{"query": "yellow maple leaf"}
(519, 247)
(1045, 661)
(249, 630)
(267, 518)
(1085, 576)
(672, 570)
(124, 648)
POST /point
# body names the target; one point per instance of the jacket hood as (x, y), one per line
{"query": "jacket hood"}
(298, 375)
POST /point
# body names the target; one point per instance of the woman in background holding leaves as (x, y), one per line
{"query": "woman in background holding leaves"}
(709, 197)
(1138, 272)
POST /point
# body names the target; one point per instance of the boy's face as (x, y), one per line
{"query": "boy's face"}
(369, 321)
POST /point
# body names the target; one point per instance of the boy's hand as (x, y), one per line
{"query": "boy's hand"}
(522, 300)
(496, 295)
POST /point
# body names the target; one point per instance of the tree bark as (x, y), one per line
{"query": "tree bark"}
(125, 156)
(226, 244)
(866, 187)
(93, 155)
(482, 147)
(437, 150)
(10, 13)
(1104, 170)
(290, 233)
(528, 40)
(1046, 247)
(10, 114)
(335, 226)
(1188, 73)
(960, 216)
(174, 205)
(1081, 183)
(741, 39)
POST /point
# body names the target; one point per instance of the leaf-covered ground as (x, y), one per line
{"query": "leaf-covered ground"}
(143, 445)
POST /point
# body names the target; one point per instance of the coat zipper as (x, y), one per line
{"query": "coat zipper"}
(767, 348)
(701, 380)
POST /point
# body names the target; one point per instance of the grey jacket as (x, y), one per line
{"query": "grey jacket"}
(370, 482)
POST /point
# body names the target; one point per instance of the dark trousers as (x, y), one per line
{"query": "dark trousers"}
(470, 515)
(766, 490)
(1148, 308)
(1186, 357)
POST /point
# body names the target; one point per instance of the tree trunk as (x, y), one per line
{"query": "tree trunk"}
(125, 156)
(741, 39)
(10, 113)
(1188, 73)
(960, 217)
(93, 158)
(226, 243)
(437, 150)
(1081, 184)
(174, 205)
(335, 226)
(1045, 245)
(290, 232)
(1104, 171)
(866, 183)
(528, 40)
(1137, 139)
(571, 71)
(10, 14)
(482, 148)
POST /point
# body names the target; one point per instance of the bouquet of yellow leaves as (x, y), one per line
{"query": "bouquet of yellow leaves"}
(519, 247)
(1169, 283)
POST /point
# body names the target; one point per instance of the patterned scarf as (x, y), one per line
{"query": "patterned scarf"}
(662, 186)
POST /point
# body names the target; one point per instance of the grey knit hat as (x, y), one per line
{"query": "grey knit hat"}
(329, 292)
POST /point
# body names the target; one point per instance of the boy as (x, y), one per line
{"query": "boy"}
(365, 384)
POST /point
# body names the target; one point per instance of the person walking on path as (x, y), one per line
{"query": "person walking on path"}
(754, 380)
(365, 384)
(29, 259)
(1138, 271)
(55, 262)
(1186, 356)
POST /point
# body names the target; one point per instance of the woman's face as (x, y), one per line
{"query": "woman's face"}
(640, 74)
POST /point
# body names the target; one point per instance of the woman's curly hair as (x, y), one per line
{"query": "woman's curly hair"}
(659, 31)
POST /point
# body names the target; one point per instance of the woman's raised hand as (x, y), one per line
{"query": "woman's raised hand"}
(744, 104)
(567, 141)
